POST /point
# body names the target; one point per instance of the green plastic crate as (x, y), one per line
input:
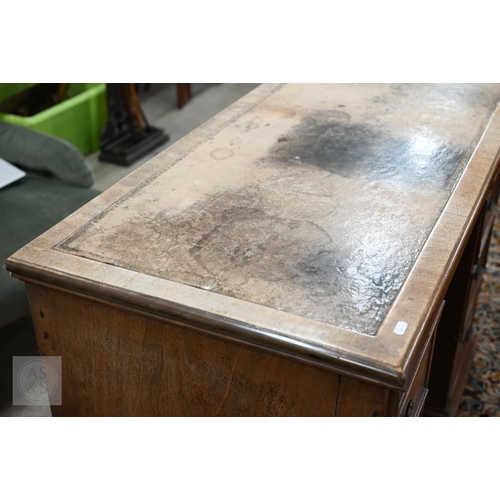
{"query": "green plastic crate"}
(78, 120)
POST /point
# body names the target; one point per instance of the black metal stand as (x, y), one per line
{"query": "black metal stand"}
(127, 135)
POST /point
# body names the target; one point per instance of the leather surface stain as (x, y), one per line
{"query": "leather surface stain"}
(358, 150)
(238, 243)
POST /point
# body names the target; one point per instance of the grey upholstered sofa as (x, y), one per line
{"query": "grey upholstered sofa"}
(57, 183)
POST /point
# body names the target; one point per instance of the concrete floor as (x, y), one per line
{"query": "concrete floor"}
(159, 105)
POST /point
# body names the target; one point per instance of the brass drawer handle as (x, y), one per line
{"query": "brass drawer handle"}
(412, 408)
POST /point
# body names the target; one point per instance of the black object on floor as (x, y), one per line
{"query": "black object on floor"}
(126, 148)
(127, 135)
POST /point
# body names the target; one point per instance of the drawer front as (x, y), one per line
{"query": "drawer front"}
(413, 400)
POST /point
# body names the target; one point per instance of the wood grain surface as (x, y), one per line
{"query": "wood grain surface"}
(119, 363)
(116, 362)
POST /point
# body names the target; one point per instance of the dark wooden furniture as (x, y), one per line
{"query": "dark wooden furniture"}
(183, 94)
(456, 340)
(308, 251)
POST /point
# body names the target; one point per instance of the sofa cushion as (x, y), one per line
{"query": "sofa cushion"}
(28, 208)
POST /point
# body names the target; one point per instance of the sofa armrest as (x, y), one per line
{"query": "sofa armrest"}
(36, 151)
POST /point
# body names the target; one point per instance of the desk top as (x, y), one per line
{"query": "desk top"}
(308, 217)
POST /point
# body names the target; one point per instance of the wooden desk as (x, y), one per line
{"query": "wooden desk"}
(292, 256)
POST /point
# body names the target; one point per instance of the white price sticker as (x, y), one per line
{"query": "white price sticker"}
(400, 328)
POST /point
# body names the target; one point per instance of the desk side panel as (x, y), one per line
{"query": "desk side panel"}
(119, 363)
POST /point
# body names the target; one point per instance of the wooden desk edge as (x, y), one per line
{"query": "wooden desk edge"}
(237, 331)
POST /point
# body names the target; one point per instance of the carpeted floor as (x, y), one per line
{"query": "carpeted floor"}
(481, 396)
